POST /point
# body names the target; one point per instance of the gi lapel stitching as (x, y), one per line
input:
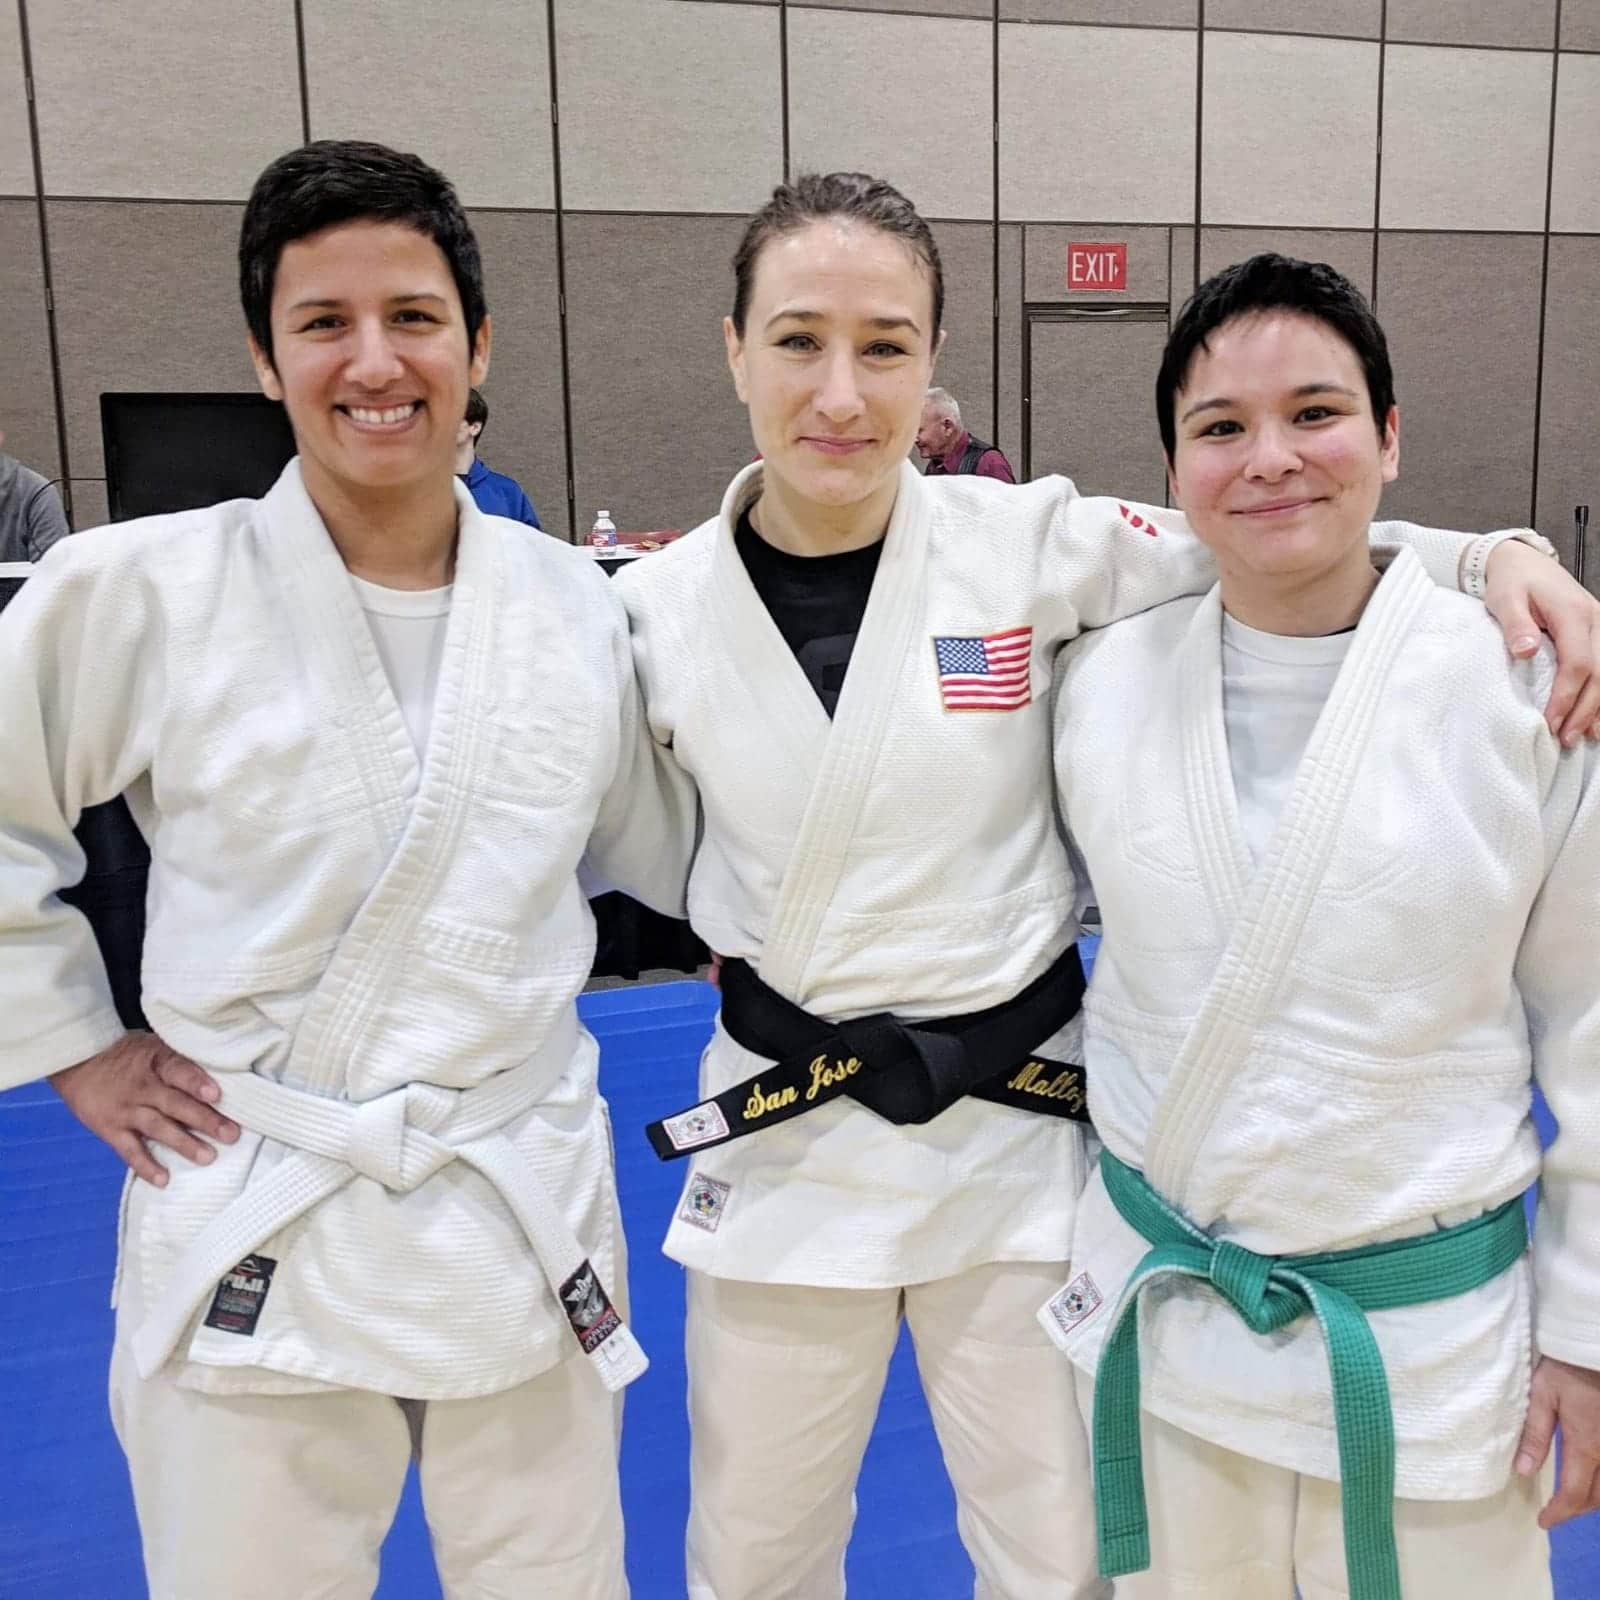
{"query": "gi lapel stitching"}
(342, 641)
(1275, 906)
(844, 774)
(795, 712)
(1212, 805)
(369, 956)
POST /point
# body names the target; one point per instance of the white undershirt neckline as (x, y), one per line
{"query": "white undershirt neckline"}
(1274, 687)
(408, 628)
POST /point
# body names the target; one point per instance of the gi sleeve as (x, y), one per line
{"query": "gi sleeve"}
(648, 825)
(1439, 549)
(80, 695)
(1113, 558)
(1558, 977)
(1108, 559)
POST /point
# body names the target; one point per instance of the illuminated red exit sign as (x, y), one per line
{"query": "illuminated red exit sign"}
(1097, 266)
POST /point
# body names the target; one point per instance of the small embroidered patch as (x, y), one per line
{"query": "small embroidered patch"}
(1076, 1303)
(697, 1126)
(985, 672)
(236, 1306)
(588, 1308)
(704, 1202)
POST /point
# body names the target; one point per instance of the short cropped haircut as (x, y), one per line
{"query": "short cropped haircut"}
(347, 180)
(855, 196)
(477, 411)
(1274, 283)
(943, 404)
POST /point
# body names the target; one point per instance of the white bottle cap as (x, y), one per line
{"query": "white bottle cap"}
(604, 516)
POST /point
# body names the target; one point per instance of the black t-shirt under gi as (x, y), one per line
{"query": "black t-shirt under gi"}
(816, 601)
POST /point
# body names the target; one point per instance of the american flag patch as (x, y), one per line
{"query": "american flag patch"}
(989, 673)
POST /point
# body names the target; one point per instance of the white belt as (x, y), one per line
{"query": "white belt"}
(400, 1139)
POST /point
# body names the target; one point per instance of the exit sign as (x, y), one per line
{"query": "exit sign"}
(1097, 266)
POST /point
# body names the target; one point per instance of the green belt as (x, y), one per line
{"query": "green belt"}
(1270, 1292)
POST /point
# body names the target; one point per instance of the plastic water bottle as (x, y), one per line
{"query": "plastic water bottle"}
(603, 535)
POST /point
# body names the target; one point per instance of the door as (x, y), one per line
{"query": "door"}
(1088, 397)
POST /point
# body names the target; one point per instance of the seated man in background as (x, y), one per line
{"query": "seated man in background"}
(369, 732)
(31, 518)
(1350, 880)
(495, 494)
(949, 449)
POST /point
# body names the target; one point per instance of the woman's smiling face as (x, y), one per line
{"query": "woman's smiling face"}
(1279, 462)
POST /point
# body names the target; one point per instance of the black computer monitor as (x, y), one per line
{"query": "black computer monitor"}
(173, 452)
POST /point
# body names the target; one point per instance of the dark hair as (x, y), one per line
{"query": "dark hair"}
(477, 411)
(1274, 283)
(853, 195)
(345, 180)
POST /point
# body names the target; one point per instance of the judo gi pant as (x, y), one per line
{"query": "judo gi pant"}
(784, 1384)
(288, 1497)
(1224, 1526)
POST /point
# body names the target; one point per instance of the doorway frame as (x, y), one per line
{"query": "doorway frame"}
(1071, 311)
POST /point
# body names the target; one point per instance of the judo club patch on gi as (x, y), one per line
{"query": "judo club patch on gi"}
(704, 1202)
(589, 1308)
(697, 1126)
(236, 1306)
(985, 672)
(1076, 1303)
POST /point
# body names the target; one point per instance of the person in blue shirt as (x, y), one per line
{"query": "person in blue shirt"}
(494, 492)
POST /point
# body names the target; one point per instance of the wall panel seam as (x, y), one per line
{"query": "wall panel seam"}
(994, 220)
(52, 333)
(1199, 138)
(1544, 272)
(783, 79)
(1377, 151)
(561, 273)
(300, 59)
(1299, 33)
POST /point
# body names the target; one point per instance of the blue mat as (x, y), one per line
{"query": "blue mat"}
(66, 1519)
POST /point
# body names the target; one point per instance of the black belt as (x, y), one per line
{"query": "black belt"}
(905, 1071)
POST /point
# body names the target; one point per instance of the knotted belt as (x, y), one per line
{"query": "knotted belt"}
(1270, 1292)
(905, 1071)
(399, 1139)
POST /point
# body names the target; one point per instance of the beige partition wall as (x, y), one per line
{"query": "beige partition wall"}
(1443, 153)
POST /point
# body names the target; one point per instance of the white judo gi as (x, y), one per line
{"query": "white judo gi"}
(1331, 1049)
(903, 856)
(377, 957)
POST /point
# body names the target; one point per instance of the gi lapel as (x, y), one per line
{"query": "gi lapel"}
(341, 652)
(1268, 912)
(771, 676)
(1221, 855)
(849, 754)
(418, 818)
